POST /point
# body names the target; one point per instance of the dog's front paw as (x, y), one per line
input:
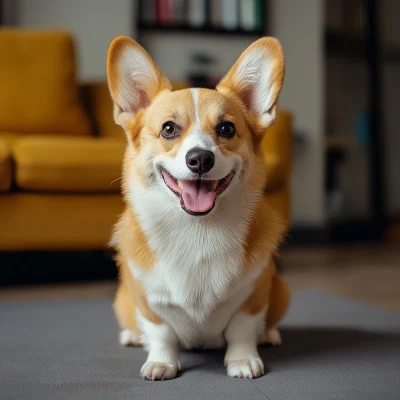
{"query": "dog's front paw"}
(248, 368)
(159, 371)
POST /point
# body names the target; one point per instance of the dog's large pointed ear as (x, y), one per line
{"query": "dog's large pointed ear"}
(256, 79)
(133, 78)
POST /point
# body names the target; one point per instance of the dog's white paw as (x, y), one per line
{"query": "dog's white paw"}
(129, 338)
(272, 337)
(158, 371)
(248, 368)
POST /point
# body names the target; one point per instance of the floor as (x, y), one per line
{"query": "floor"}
(369, 273)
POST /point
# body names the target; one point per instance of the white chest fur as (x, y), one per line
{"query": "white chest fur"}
(199, 280)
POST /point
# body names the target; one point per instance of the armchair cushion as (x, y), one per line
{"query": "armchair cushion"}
(38, 88)
(65, 164)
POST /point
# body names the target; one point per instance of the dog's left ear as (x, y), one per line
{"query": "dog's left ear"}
(133, 78)
(257, 78)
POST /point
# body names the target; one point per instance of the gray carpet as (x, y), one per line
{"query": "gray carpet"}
(333, 349)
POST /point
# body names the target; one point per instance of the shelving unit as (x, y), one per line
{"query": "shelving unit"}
(208, 27)
(198, 40)
(363, 48)
(355, 46)
(342, 44)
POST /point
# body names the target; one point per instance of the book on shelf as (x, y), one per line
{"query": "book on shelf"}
(251, 15)
(164, 11)
(247, 14)
(230, 14)
(259, 15)
(215, 13)
(197, 13)
(179, 9)
(148, 11)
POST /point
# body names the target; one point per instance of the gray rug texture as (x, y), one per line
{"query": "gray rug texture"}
(333, 348)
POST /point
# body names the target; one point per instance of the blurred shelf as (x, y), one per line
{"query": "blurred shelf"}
(339, 143)
(205, 29)
(391, 53)
(393, 230)
(345, 44)
(354, 46)
(350, 230)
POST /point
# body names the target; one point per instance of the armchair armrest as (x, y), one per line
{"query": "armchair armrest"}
(277, 148)
(97, 100)
(5, 166)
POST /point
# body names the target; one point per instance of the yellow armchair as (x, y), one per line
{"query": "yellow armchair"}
(59, 186)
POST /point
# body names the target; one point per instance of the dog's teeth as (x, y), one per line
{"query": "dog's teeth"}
(214, 185)
(180, 184)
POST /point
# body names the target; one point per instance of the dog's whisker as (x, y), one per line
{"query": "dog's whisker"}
(149, 182)
(115, 180)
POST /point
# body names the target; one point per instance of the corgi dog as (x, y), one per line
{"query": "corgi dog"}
(196, 241)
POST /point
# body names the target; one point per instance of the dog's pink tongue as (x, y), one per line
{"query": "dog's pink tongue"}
(197, 198)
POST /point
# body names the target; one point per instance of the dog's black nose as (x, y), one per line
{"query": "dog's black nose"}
(200, 160)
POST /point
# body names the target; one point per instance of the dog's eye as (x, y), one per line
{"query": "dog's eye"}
(169, 130)
(226, 129)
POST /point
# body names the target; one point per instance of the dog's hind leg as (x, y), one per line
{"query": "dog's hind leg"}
(279, 300)
(125, 311)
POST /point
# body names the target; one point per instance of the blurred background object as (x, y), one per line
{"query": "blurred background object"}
(200, 71)
(332, 157)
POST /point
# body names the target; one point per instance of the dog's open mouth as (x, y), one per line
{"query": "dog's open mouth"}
(197, 195)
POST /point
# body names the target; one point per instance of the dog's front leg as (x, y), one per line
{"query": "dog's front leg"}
(242, 335)
(163, 346)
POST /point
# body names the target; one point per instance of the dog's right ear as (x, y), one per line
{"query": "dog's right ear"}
(133, 78)
(256, 79)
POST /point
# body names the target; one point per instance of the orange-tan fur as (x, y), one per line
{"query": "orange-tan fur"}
(269, 288)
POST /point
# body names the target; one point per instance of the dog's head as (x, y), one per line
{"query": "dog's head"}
(195, 145)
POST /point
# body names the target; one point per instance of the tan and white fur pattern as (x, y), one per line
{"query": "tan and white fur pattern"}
(197, 279)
